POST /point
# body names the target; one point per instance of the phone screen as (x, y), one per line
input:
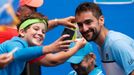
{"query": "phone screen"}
(70, 32)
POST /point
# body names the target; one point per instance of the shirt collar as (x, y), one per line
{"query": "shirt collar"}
(25, 44)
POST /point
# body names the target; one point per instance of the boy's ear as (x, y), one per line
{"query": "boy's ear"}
(21, 32)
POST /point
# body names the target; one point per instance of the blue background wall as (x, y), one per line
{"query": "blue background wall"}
(117, 17)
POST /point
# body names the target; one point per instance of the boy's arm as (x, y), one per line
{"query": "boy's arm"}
(26, 54)
(60, 57)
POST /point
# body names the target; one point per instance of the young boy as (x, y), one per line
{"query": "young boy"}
(28, 45)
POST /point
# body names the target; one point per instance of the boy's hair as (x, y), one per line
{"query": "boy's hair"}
(34, 15)
(89, 6)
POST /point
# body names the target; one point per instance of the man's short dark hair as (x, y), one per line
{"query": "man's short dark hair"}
(89, 6)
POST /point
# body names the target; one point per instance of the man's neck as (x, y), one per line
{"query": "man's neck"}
(102, 36)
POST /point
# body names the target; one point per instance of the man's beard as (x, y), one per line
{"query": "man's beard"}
(83, 71)
(95, 34)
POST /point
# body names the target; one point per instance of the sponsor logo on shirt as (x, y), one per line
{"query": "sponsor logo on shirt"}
(131, 61)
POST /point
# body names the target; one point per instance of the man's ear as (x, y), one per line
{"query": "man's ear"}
(21, 32)
(101, 20)
(93, 55)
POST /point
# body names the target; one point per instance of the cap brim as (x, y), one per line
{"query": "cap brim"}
(75, 59)
(35, 3)
(80, 54)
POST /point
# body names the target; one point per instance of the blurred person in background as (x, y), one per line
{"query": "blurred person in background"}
(85, 66)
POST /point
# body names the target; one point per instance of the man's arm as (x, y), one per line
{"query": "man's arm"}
(63, 21)
(123, 54)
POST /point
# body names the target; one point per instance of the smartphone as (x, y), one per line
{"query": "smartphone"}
(68, 31)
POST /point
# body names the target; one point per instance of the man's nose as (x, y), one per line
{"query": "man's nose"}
(85, 27)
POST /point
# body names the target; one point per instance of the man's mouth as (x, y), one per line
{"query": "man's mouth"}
(87, 34)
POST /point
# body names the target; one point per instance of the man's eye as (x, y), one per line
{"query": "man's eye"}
(88, 22)
(79, 24)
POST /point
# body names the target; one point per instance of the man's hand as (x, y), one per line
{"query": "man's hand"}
(68, 22)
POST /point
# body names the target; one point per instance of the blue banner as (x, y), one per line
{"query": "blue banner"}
(113, 1)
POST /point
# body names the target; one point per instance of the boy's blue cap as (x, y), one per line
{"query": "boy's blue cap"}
(80, 54)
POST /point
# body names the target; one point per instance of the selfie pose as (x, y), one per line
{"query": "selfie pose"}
(27, 45)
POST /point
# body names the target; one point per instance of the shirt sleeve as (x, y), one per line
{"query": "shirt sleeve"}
(22, 54)
(124, 55)
(37, 59)
(29, 53)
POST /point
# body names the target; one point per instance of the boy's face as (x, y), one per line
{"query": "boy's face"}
(35, 34)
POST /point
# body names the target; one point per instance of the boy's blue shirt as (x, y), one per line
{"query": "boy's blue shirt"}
(23, 54)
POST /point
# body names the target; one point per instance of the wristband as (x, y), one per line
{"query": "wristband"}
(56, 21)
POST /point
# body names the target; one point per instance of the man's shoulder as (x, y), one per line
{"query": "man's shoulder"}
(114, 35)
(96, 71)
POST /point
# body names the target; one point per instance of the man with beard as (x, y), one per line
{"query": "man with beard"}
(85, 66)
(116, 49)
